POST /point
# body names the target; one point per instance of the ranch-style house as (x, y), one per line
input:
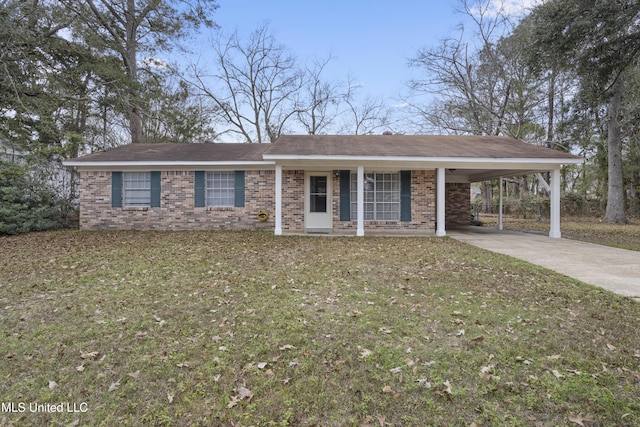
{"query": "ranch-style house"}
(341, 184)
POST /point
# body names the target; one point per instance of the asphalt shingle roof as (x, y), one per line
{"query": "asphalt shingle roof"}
(411, 146)
(420, 146)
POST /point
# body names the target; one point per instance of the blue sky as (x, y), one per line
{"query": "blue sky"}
(370, 39)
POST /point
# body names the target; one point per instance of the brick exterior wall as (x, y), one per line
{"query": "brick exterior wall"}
(423, 207)
(458, 204)
(292, 200)
(177, 211)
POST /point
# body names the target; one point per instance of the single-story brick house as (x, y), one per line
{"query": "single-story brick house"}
(305, 183)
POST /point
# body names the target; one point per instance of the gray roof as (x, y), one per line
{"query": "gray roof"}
(424, 146)
(322, 146)
(168, 152)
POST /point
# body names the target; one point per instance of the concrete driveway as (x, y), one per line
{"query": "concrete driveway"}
(617, 270)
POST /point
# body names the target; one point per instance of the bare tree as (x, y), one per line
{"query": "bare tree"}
(363, 116)
(254, 87)
(319, 100)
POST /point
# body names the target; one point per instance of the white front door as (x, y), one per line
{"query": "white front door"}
(317, 202)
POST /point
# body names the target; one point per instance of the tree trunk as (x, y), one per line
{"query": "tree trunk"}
(551, 108)
(615, 197)
(131, 63)
(487, 197)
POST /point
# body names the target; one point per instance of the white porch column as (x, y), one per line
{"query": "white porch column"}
(500, 209)
(554, 226)
(278, 230)
(440, 190)
(360, 199)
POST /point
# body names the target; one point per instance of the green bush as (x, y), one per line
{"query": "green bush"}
(27, 204)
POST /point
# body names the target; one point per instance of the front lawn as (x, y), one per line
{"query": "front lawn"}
(244, 328)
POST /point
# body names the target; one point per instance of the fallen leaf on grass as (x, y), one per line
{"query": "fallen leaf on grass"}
(364, 353)
(234, 401)
(262, 365)
(135, 374)
(243, 393)
(423, 381)
(387, 389)
(170, 398)
(579, 419)
(52, 385)
(610, 347)
(114, 386)
(89, 355)
(287, 347)
(396, 370)
(80, 368)
(557, 374)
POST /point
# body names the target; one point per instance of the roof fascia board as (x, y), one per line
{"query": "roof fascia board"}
(434, 160)
(424, 165)
(189, 164)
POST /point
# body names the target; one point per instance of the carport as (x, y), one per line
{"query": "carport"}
(485, 170)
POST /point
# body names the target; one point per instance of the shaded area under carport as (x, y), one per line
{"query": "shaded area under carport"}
(617, 270)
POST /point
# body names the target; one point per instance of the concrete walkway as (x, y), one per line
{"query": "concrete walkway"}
(617, 270)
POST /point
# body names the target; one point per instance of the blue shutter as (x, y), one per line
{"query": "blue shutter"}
(116, 189)
(155, 189)
(345, 195)
(198, 195)
(239, 183)
(405, 195)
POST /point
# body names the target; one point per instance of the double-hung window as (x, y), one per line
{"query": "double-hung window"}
(136, 189)
(381, 197)
(220, 189)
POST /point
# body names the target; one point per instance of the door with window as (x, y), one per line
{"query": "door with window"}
(318, 202)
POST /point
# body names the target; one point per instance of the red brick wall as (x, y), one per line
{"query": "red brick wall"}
(458, 205)
(176, 211)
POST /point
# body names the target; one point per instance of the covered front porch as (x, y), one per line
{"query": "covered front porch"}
(413, 178)
(316, 198)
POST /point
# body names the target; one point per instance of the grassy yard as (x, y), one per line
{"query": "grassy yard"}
(248, 329)
(587, 229)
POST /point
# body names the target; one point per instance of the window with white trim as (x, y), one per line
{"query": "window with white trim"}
(381, 197)
(220, 189)
(136, 189)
